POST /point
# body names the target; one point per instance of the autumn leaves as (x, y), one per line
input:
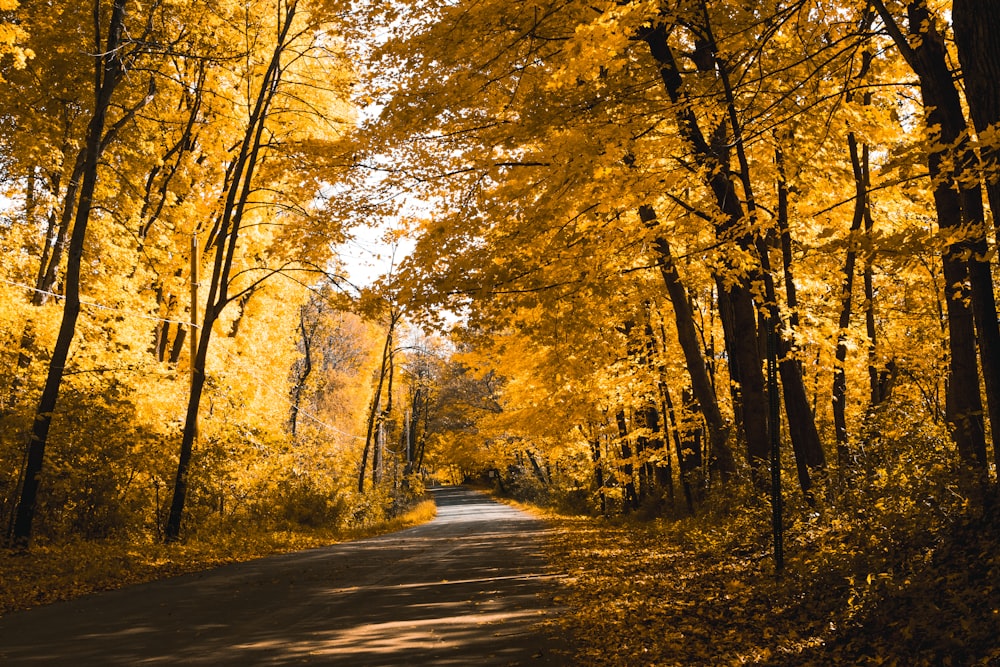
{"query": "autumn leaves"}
(718, 174)
(165, 148)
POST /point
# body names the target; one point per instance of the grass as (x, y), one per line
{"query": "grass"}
(49, 573)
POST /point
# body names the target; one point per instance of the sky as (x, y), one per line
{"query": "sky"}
(369, 255)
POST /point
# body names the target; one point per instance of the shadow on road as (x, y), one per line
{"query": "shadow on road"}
(469, 588)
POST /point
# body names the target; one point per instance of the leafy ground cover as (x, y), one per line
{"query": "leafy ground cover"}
(53, 572)
(702, 590)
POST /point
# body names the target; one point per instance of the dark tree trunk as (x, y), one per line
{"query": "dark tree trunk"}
(859, 163)
(679, 434)
(736, 304)
(927, 56)
(631, 498)
(178, 346)
(225, 239)
(975, 26)
(691, 347)
(109, 70)
(300, 380)
(595, 456)
(378, 451)
(690, 454)
(806, 444)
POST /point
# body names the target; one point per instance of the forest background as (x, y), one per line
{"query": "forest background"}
(722, 260)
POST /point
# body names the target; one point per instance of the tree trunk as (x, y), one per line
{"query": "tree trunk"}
(806, 444)
(225, 239)
(631, 498)
(108, 73)
(975, 26)
(945, 119)
(859, 162)
(691, 347)
(300, 381)
(736, 306)
(595, 457)
(375, 413)
(378, 451)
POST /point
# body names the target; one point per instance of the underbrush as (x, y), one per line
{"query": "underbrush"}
(64, 570)
(696, 591)
(898, 564)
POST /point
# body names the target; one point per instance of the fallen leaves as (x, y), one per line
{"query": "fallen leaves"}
(679, 593)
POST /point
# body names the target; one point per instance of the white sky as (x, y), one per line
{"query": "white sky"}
(369, 256)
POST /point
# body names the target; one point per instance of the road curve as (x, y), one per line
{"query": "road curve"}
(468, 588)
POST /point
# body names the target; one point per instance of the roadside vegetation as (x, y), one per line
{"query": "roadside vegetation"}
(65, 570)
(893, 569)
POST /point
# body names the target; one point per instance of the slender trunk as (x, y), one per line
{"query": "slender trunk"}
(300, 381)
(631, 498)
(678, 434)
(178, 345)
(689, 453)
(801, 425)
(785, 239)
(238, 194)
(56, 235)
(847, 289)
(595, 456)
(691, 347)
(108, 72)
(369, 434)
(871, 332)
(374, 414)
(536, 468)
(975, 24)
(422, 443)
(954, 194)
(736, 305)
(411, 428)
(665, 471)
(378, 451)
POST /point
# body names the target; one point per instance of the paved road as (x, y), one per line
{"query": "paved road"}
(468, 588)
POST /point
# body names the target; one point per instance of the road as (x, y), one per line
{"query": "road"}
(469, 588)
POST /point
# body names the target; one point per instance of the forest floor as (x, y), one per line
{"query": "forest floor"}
(700, 591)
(52, 572)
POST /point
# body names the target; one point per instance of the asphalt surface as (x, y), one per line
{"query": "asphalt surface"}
(469, 588)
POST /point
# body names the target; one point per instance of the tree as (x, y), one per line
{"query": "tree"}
(979, 53)
(117, 54)
(378, 411)
(959, 205)
(274, 79)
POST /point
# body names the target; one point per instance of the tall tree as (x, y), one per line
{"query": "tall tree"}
(286, 42)
(378, 410)
(979, 53)
(959, 205)
(117, 53)
(691, 346)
